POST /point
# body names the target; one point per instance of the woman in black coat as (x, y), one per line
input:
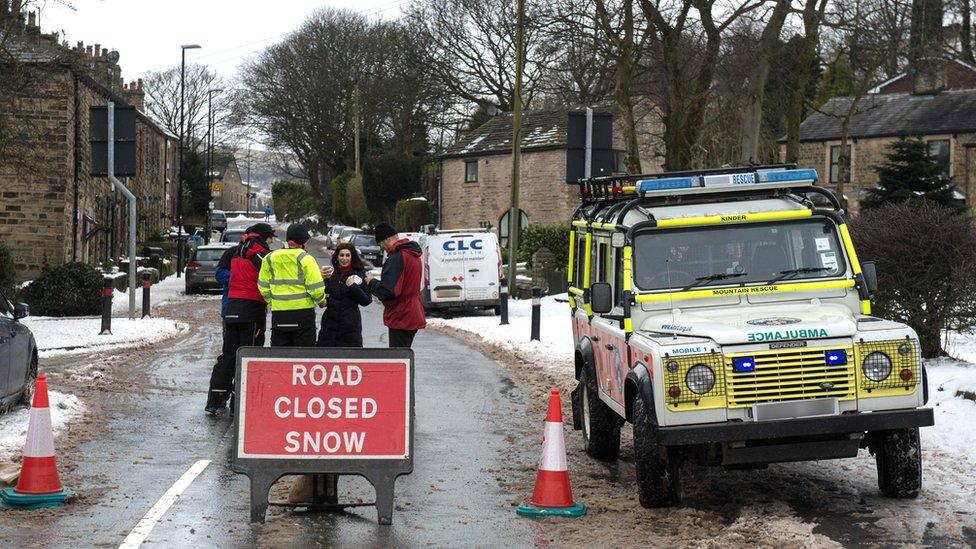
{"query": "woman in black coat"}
(342, 325)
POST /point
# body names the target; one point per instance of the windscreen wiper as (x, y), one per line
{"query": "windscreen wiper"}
(791, 272)
(717, 276)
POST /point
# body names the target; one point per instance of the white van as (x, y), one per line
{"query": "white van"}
(462, 270)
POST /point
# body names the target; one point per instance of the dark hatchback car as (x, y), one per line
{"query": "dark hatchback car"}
(368, 249)
(18, 356)
(201, 271)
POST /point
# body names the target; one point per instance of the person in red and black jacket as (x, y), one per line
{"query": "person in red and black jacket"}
(399, 286)
(244, 321)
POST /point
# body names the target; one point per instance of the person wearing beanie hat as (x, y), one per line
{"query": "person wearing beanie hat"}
(291, 282)
(245, 312)
(399, 286)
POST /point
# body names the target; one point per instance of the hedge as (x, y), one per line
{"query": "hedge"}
(73, 289)
(8, 280)
(554, 237)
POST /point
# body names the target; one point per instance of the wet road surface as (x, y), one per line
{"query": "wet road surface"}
(155, 432)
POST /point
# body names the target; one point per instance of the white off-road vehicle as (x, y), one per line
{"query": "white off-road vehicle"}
(725, 314)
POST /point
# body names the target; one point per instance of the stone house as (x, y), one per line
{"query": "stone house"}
(233, 195)
(51, 210)
(476, 172)
(942, 112)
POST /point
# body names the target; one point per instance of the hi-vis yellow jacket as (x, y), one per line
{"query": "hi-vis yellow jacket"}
(290, 280)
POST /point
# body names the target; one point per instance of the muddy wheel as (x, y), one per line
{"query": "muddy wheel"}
(29, 384)
(898, 455)
(658, 468)
(601, 425)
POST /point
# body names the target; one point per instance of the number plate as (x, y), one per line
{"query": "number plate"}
(768, 411)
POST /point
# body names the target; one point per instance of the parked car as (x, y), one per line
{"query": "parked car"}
(218, 220)
(232, 236)
(462, 270)
(18, 356)
(202, 268)
(332, 237)
(368, 248)
(347, 233)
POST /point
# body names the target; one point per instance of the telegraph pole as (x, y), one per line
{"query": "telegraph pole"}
(514, 214)
(247, 203)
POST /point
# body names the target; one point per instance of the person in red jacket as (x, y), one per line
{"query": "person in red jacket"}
(244, 321)
(399, 286)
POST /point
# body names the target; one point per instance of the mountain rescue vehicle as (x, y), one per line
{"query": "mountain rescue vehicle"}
(726, 316)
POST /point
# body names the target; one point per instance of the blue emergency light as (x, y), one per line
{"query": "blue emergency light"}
(783, 176)
(744, 364)
(836, 357)
(667, 184)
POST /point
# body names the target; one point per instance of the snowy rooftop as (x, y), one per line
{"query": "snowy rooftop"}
(543, 129)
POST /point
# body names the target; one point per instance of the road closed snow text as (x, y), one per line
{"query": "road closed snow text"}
(324, 409)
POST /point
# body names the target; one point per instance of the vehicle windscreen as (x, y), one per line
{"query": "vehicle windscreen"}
(208, 255)
(231, 236)
(367, 240)
(737, 254)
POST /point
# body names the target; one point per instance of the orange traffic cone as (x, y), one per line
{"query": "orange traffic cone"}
(39, 485)
(552, 495)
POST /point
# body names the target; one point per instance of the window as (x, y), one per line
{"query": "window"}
(5, 309)
(471, 171)
(835, 164)
(580, 262)
(503, 227)
(750, 253)
(939, 152)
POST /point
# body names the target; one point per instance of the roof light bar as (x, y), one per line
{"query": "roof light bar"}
(772, 178)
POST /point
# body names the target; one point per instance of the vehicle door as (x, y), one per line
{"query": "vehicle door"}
(447, 267)
(20, 352)
(609, 344)
(479, 280)
(6, 343)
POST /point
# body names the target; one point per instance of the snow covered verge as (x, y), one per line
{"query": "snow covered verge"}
(13, 425)
(60, 336)
(554, 351)
(166, 291)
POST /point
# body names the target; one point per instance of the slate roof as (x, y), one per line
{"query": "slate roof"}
(894, 115)
(543, 129)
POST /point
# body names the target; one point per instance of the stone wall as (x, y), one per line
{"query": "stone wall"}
(544, 196)
(37, 198)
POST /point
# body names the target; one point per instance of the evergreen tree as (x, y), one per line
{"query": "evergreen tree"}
(909, 172)
(195, 184)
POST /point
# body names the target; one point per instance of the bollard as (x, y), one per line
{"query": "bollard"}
(108, 288)
(536, 312)
(146, 285)
(503, 303)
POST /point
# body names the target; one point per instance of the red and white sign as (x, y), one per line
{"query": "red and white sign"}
(324, 408)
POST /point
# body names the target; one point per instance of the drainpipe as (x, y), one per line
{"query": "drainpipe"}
(77, 159)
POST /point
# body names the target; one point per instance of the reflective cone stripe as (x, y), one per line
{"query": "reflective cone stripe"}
(552, 480)
(39, 472)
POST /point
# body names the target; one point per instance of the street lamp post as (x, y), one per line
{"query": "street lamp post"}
(179, 179)
(210, 151)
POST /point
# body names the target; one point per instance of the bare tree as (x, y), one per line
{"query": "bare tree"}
(163, 105)
(756, 85)
(473, 48)
(687, 51)
(578, 60)
(812, 17)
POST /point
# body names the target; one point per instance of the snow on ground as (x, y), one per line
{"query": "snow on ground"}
(168, 290)
(954, 415)
(553, 350)
(60, 336)
(13, 425)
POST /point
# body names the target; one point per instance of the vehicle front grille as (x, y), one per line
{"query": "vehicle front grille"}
(789, 374)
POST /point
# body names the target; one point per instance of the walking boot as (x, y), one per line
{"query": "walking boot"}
(216, 400)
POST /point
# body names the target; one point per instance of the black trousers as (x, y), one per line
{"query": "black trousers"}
(329, 337)
(401, 338)
(236, 335)
(293, 328)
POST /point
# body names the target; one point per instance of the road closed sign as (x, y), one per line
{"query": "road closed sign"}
(328, 411)
(314, 408)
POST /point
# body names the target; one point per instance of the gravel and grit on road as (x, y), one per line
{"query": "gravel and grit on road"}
(809, 504)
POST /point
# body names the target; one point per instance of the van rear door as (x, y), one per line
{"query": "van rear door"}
(446, 269)
(480, 267)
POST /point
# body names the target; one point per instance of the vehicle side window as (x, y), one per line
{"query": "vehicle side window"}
(618, 276)
(597, 261)
(5, 309)
(580, 260)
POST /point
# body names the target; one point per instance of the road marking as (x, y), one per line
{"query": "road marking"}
(149, 521)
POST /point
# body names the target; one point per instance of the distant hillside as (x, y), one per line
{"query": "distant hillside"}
(268, 167)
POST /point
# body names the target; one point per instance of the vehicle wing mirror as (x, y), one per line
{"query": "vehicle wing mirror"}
(601, 298)
(870, 273)
(21, 310)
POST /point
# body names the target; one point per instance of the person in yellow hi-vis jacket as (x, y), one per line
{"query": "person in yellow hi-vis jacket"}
(290, 281)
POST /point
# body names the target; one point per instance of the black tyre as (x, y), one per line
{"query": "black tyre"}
(658, 468)
(601, 425)
(898, 455)
(29, 384)
(497, 310)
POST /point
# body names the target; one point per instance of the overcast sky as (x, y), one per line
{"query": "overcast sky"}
(148, 33)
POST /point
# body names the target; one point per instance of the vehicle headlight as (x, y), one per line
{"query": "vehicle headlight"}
(700, 379)
(876, 366)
